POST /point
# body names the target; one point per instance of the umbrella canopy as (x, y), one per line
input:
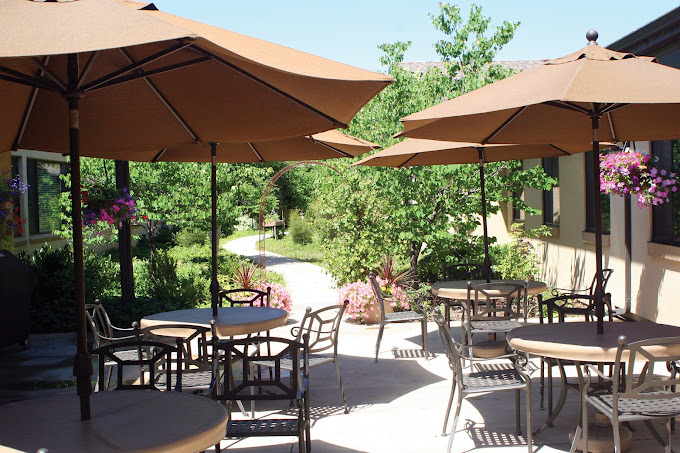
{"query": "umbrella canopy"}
(590, 95)
(112, 75)
(324, 145)
(417, 152)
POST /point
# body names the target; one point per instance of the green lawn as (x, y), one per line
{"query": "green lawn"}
(310, 253)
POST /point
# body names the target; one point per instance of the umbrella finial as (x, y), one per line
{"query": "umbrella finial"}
(591, 36)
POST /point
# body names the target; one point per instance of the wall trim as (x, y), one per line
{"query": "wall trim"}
(664, 251)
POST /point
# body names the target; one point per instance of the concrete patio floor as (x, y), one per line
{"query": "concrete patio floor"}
(397, 405)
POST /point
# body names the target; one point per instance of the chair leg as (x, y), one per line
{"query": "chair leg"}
(530, 440)
(423, 328)
(518, 429)
(669, 431)
(342, 390)
(377, 343)
(617, 436)
(448, 407)
(584, 413)
(455, 422)
(541, 385)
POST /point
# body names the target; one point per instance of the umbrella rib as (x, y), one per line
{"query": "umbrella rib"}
(27, 113)
(107, 79)
(336, 123)
(257, 153)
(23, 79)
(333, 148)
(504, 124)
(612, 107)
(158, 156)
(565, 152)
(49, 73)
(162, 98)
(568, 106)
(405, 163)
(86, 69)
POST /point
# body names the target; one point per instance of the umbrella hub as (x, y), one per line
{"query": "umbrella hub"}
(75, 94)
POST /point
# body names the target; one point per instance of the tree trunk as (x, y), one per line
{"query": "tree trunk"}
(415, 249)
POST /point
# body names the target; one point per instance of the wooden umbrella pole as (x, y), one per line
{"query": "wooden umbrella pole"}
(487, 258)
(597, 207)
(214, 286)
(82, 364)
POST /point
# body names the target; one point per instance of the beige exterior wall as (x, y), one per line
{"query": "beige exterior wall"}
(568, 256)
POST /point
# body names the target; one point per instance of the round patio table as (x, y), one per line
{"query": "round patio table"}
(579, 342)
(122, 421)
(457, 289)
(230, 321)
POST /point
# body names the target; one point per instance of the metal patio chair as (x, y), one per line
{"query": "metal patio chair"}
(510, 375)
(233, 380)
(154, 359)
(636, 395)
(402, 316)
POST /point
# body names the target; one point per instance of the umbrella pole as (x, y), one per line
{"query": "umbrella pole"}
(487, 259)
(214, 286)
(82, 363)
(597, 207)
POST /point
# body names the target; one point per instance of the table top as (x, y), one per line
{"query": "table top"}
(579, 341)
(230, 321)
(122, 421)
(457, 289)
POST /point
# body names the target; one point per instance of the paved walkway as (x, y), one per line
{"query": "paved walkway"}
(309, 285)
(397, 405)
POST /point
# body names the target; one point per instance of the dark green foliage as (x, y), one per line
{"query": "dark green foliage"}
(53, 304)
(300, 231)
(185, 238)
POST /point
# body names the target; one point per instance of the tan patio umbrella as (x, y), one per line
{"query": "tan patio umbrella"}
(590, 95)
(111, 75)
(324, 145)
(419, 152)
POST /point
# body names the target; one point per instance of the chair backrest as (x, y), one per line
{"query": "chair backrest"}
(244, 297)
(379, 302)
(606, 274)
(322, 326)
(462, 271)
(500, 300)
(657, 380)
(99, 323)
(452, 348)
(232, 377)
(150, 358)
(573, 304)
(194, 341)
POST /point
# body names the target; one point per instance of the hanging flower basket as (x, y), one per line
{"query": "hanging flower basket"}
(99, 206)
(629, 173)
(10, 221)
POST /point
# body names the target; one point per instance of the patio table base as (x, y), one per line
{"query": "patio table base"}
(601, 437)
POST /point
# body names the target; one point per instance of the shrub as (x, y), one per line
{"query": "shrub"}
(185, 238)
(280, 297)
(300, 231)
(53, 307)
(519, 259)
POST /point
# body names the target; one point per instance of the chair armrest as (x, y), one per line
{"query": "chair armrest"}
(588, 368)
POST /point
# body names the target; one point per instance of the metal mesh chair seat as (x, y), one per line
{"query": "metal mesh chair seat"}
(486, 381)
(639, 407)
(191, 380)
(494, 326)
(287, 362)
(269, 427)
(403, 316)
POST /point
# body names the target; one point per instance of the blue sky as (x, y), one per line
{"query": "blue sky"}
(350, 31)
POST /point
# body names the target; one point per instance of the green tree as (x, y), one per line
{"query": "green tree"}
(424, 205)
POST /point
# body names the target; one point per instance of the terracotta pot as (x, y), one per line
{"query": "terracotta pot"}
(373, 316)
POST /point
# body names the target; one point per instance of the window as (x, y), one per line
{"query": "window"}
(604, 199)
(43, 210)
(666, 217)
(551, 198)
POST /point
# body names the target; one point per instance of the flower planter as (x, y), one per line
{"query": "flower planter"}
(373, 313)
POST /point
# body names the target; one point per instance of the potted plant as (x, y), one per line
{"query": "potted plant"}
(10, 220)
(628, 172)
(108, 205)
